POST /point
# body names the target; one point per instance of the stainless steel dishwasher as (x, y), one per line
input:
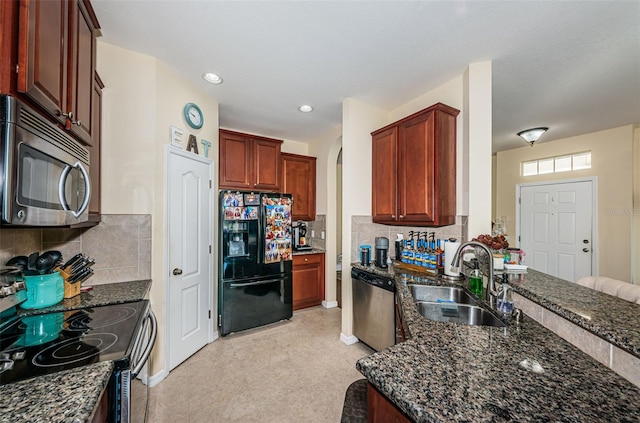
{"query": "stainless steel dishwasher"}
(373, 309)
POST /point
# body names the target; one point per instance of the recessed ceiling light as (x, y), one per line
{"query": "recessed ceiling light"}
(305, 108)
(212, 77)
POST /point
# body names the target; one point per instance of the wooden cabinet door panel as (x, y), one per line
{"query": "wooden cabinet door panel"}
(299, 179)
(445, 167)
(416, 194)
(266, 158)
(95, 148)
(308, 280)
(42, 54)
(381, 410)
(81, 72)
(235, 161)
(384, 176)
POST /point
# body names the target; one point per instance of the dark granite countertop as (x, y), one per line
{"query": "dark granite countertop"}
(70, 395)
(453, 372)
(615, 320)
(313, 250)
(105, 294)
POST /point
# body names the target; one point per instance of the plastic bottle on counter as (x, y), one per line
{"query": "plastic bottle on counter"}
(439, 255)
(475, 278)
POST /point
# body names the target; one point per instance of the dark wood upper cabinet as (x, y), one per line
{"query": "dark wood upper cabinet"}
(82, 68)
(95, 150)
(43, 54)
(299, 179)
(384, 151)
(55, 61)
(414, 169)
(249, 162)
(266, 159)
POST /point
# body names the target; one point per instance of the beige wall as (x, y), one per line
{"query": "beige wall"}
(635, 247)
(612, 163)
(360, 119)
(141, 99)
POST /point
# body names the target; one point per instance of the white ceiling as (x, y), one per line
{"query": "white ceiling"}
(571, 66)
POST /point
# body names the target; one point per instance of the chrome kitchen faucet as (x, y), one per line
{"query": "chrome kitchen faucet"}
(490, 294)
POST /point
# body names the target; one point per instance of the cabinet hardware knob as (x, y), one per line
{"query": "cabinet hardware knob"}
(70, 117)
(306, 259)
(67, 115)
(401, 217)
(393, 216)
(586, 250)
(177, 271)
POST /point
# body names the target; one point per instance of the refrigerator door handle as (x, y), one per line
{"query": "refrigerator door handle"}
(240, 285)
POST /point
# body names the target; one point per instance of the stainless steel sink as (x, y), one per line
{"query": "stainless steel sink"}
(433, 293)
(458, 313)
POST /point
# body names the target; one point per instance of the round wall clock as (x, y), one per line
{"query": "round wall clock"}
(193, 115)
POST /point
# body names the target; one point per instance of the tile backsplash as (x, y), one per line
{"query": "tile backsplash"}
(364, 231)
(120, 244)
(317, 226)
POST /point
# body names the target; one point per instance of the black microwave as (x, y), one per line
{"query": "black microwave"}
(44, 173)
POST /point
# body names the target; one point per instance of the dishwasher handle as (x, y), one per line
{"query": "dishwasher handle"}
(153, 323)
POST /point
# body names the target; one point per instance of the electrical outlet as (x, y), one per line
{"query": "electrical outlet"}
(313, 233)
(321, 234)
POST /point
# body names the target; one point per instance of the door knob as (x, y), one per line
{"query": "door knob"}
(586, 250)
(177, 271)
(585, 241)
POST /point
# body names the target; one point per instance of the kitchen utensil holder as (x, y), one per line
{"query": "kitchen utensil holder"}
(43, 290)
(70, 289)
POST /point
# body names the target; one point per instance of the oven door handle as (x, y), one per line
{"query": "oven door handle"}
(147, 350)
(63, 182)
(240, 285)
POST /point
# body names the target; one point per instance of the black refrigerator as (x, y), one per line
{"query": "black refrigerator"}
(255, 282)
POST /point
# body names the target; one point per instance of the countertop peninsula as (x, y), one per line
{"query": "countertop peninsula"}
(313, 250)
(70, 395)
(523, 372)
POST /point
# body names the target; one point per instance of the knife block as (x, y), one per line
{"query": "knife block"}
(70, 289)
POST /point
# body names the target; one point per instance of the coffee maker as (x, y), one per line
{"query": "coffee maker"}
(382, 251)
(299, 237)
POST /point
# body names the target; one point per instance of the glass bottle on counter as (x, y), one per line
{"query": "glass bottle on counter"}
(439, 255)
(405, 251)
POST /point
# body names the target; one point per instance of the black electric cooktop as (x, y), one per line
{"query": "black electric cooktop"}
(47, 343)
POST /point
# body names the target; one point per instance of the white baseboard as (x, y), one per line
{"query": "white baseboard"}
(329, 304)
(157, 378)
(349, 340)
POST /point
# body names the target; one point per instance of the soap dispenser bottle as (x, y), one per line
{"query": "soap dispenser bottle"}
(475, 278)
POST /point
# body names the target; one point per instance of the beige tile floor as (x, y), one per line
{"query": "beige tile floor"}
(295, 371)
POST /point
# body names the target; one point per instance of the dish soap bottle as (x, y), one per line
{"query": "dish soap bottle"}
(475, 279)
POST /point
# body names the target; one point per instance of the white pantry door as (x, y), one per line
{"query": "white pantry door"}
(190, 229)
(556, 228)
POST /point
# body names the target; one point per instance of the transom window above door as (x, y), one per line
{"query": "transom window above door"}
(566, 163)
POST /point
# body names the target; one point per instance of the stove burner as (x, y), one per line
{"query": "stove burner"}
(74, 350)
(83, 321)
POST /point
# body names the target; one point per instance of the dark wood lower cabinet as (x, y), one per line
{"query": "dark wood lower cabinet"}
(308, 280)
(102, 410)
(381, 410)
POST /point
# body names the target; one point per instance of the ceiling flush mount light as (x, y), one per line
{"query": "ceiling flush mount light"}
(305, 108)
(532, 135)
(212, 78)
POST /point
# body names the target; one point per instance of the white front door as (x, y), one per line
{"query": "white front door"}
(190, 265)
(556, 228)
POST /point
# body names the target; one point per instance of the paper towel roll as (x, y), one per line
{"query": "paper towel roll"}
(450, 249)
